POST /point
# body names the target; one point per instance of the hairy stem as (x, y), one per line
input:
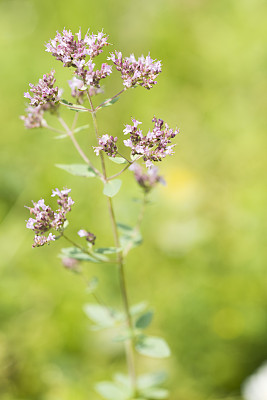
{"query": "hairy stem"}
(129, 348)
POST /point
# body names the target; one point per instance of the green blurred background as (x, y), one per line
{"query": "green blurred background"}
(203, 263)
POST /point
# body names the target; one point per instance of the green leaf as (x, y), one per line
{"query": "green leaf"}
(152, 346)
(107, 250)
(81, 128)
(65, 102)
(112, 391)
(109, 102)
(150, 380)
(144, 320)
(126, 229)
(111, 188)
(66, 224)
(92, 285)
(124, 336)
(78, 169)
(135, 157)
(61, 136)
(75, 252)
(130, 237)
(138, 308)
(122, 380)
(118, 160)
(156, 393)
(102, 316)
(73, 107)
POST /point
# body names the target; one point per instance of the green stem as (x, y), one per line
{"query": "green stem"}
(119, 173)
(77, 146)
(120, 261)
(90, 253)
(124, 169)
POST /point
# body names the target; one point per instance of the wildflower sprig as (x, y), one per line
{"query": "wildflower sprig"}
(79, 53)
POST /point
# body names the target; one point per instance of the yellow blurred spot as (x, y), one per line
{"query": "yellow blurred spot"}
(228, 323)
(180, 183)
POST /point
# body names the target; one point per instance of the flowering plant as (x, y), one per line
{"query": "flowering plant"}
(48, 225)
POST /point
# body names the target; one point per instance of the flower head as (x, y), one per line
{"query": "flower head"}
(90, 237)
(44, 93)
(46, 219)
(70, 263)
(147, 180)
(155, 145)
(142, 71)
(107, 144)
(34, 117)
(72, 51)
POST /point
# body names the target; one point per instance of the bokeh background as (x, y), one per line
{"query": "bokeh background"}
(203, 263)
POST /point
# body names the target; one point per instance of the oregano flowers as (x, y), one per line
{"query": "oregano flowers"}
(155, 145)
(46, 219)
(79, 53)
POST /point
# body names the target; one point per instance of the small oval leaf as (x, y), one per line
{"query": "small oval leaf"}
(78, 169)
(150, 380)
(152, 346)
(75, 252)
(80, 128)
(156, 393)
(111, 391)
(111, 188)
(107, 250)
(108, 102)
(102, 316)
(144, 320)
(118, 160)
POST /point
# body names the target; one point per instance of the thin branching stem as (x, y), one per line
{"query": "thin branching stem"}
(77, 146)
(124, 169)
(120, 261)
(119, 173)
(126, 159)
(85, 251)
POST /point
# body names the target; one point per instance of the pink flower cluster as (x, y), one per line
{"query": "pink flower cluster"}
(89, 236)
(46, 219)
(77, 91)
(147, 180)
(141, 72)
(73, 52)
(107, 144)
(90, 76)
(155, 145)
(34, 117)
(44, 92)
